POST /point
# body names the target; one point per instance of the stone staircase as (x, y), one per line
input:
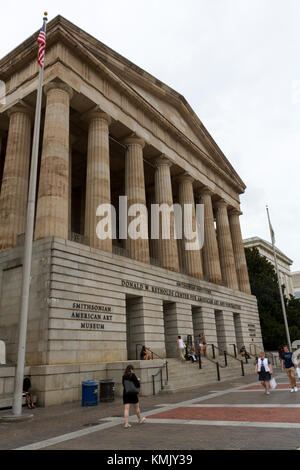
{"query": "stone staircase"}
(187, 376)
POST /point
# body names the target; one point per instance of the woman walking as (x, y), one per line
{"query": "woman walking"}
(202, 344)
(181, 348)
(264, 369)
(131, 388)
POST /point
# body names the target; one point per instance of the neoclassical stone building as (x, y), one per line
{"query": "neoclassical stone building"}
(110, 129)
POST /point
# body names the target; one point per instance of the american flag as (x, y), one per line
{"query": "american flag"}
(42, 46)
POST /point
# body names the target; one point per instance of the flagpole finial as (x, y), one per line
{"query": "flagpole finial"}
(45, 15)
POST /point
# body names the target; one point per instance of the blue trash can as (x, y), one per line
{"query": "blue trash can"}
(89, 396)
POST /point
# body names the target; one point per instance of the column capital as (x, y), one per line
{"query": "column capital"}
(235, 211)
(205, 191)
(96, 113)
(185, 177)
(134, 139)
(21, 107)
(221, 203)
(162, 160)
(58, 86)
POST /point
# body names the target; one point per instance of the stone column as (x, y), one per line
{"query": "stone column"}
(13, 199)
(52, 219)
(225, 246)
(70, 189)
(98, 176)
(167, 249)
(1, 143)
(239, 251)
(192, 261)
(135, 192)
(210, 253)
(152, 242)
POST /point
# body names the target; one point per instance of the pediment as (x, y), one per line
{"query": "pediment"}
(170, 105)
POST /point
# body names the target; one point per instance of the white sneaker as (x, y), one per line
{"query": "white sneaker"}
(295, 389)
(292, 390)
(267, 393)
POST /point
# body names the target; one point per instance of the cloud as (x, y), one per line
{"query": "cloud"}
(236, 62)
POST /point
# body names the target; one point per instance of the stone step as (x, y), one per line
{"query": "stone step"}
(188, 376)
(205, 375)
(172, 387)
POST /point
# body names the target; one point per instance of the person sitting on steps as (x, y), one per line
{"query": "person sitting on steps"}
(145, 354)
(27, 393)
(190, 354)
(244, 353)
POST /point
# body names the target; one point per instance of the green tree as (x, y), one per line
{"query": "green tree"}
(264, 286)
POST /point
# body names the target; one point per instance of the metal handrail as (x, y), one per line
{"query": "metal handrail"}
(251, 355)
(218, 365)
(234, 349)
(161, 380)
(231, 355)
(160, 371)
(136, 354)
(225, 353)
(274, 358)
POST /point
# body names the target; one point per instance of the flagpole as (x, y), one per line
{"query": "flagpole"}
(279, 285)
(26, 278)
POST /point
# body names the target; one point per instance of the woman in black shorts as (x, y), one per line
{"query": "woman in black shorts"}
(264, 369)
(131, 398)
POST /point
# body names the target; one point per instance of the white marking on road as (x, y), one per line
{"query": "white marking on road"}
(115, 421)
(224, 423)
(67, 437)
(241, 405)
(163, 404)
(257, 390)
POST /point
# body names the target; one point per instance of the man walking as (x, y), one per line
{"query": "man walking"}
(287, 363)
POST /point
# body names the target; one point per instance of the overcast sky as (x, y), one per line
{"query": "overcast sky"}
(237, 64)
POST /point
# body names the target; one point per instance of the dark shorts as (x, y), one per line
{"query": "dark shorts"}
(264, 376)
(131, 398)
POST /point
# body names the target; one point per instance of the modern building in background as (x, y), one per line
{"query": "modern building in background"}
(284, 263)
(296, 283)
(110, 129)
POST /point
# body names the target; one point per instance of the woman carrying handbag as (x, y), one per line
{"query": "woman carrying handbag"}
(131, 389)
(264, 369)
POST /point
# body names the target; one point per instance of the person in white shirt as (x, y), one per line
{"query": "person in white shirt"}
(181, 348)
(264, 369)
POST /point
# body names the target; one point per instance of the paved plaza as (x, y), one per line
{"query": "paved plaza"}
(231, 415)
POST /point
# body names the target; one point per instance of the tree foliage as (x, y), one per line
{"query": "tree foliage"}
(264, 286)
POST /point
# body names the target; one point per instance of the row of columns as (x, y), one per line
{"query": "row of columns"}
(222, 259)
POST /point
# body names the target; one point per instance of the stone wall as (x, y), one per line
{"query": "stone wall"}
(90, 310)
(78, 306)
(10, 291)
(55, 385)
